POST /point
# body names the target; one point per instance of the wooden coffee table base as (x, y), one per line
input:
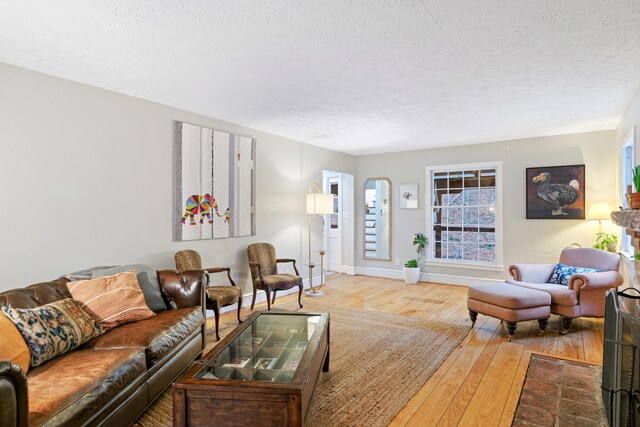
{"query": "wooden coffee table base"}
(204, 402)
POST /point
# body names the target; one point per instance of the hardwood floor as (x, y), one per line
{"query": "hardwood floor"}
(479, 383)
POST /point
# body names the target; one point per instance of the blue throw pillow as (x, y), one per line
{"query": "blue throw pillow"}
(562, 273)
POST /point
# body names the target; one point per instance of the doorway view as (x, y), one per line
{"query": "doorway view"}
(339, 225)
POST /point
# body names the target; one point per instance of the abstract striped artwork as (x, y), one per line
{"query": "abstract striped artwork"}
(214, 184)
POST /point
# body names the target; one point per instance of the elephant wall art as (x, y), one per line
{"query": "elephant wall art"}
(214, 184)
(202, 205)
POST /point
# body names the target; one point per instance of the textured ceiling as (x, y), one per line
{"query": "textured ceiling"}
(361, 77)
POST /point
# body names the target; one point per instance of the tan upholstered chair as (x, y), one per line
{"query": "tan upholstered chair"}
(585, 295)
(264, 272)
(217, 296)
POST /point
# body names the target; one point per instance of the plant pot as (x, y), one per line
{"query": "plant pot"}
(612, 246)
(633, 200)
(411, 275)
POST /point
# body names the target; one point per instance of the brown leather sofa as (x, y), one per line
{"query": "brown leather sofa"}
(112, 379)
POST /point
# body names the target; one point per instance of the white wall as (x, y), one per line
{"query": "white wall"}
(630, 118)
(86, 179)
(524, 240)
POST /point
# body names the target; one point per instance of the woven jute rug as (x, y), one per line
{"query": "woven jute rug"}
(378, 362)
(558, 393)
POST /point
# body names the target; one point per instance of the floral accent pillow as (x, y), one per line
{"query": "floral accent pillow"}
(562, 273)
(53, 329)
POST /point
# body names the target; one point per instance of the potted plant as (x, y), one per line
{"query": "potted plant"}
(606, 241)
(633, 199)
(411, 269)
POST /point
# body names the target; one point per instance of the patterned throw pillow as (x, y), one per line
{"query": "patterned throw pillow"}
(562, 273)
(53, 329)
(112, 300)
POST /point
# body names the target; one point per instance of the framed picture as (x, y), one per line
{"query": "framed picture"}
(556, 192)
(214, 183)
(408, 196)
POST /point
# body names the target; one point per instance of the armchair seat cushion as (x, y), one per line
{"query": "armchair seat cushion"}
(560, 294)
(157, 335)
(224, 295)
(70, 389)
(280, 281)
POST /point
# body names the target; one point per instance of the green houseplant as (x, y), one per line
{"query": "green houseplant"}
(606, 241)
(411, 269)
(633, 199)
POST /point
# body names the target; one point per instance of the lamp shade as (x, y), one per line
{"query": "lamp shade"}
(599, 211)
(319, 203)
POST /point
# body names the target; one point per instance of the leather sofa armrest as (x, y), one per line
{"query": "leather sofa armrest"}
(186, 289)
(533, 273)
(14, 396)
(599, 280)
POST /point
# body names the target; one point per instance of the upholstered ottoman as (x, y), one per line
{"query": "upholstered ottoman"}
(511, 304)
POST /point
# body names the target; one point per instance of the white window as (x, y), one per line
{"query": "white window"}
(626, 168)
(464, 219)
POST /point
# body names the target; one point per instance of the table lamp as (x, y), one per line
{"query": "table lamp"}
(599, 211)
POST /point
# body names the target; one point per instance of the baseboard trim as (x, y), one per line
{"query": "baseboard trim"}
(261, 296)
(446, 279)
(348, 270)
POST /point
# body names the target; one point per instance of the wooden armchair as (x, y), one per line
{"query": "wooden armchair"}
(217, 296)
(264, 272)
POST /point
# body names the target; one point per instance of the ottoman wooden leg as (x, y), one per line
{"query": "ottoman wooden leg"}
(542, 323)
(474, 316)
(566, 324)
(511, 328)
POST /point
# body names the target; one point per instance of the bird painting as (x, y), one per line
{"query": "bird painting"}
(555, 192)
(556, 195)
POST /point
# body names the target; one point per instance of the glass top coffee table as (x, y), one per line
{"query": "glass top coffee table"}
(263, 373)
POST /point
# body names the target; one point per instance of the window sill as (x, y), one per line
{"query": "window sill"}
(467, 265)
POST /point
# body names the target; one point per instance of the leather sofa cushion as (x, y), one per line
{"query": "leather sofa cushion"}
(70, 389)
(560, 294)
(157, 335)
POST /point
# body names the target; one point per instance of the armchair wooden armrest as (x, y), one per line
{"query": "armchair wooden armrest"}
(221, 270)
(283, 260)
(255, 266)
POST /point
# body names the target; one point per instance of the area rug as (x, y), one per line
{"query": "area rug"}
(378, 362)
(559, 392)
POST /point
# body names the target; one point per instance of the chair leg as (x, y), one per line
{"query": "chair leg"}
(566, 324)
(300, 295)
(542, 323)
(216, 312)
(473, 315)
(253, 301)
(239, 308)
(268, 292)
(511, 329)
(274, 296)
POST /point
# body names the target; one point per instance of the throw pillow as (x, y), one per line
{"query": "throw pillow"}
(53, 329)
(562, 273)
(112, 300)
(84, 274)
(12, 346)
(147, 278)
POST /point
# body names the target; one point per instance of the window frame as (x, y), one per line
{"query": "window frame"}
(497, 265)
(626, 246)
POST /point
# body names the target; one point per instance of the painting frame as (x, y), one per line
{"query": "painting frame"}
(214, 183)
(541, 203)
(408, 197)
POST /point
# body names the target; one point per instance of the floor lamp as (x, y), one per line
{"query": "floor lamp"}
(318, 203)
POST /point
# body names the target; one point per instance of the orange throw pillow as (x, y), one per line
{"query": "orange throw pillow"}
(12, 346)
(112, 300)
